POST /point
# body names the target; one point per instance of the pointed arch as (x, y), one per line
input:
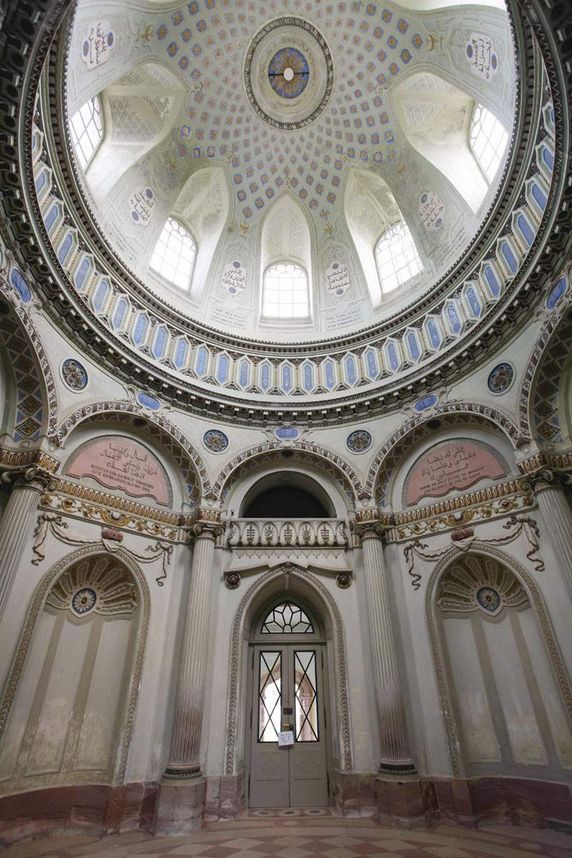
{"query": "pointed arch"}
(237, 676)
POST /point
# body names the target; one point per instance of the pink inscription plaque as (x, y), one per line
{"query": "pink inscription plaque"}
(451, 466)
(121, 463)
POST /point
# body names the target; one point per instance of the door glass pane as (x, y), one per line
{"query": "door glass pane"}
(287, 618)
(269, 696)
(306, 694)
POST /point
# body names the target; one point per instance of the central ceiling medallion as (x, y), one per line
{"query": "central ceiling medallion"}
(288, 73)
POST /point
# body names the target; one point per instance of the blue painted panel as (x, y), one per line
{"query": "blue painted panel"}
(492, 280)
(140, 329)
(265, 376)
(455, 324)
(160, 342)
(287, 433)
(427, 402)
(434, 333)
(393, 356)
(287, 378)
(119, 313)
(80, 279)
(244, 373)
(509, 257)
(547, 157)
(538, 196)
(20, 285)
(181, 352)
(100, 295)
(201, 361)
(52, 217)
(148, 401)
(40, 182)
(65, 248)
(557, 292)
(223, 369)
(371, 363)
(525, 229)
(350, 370)
(308, 377)
(329, 374)
(413, 347)
(474, 301)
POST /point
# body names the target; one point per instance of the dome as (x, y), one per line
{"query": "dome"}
(346, 146)
(291, 212)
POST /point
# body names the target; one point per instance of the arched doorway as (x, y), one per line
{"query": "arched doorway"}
(287, 742)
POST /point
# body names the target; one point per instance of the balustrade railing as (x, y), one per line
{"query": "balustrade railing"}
(299, 532)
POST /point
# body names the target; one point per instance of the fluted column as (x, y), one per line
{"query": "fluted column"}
(557, 517)
(16, 528)
(395, 755)
(186, 739)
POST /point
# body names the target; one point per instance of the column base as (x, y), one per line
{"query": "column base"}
(399, 800)
(180, 805)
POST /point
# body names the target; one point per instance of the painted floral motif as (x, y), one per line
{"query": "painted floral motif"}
(359, 441)
(84, 600)
(215, 440)
(74, 374)
(288, 72)
(501, 378)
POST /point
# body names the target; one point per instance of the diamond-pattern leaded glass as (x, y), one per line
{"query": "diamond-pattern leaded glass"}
(287, 618)
(306, 694)
(269, 696)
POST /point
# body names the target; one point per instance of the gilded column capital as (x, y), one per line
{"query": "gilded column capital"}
(368, 525)
(31, 476)
(208, 523)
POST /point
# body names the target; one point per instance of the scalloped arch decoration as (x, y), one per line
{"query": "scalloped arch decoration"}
(339, 469)
(160, 429)
(411, 432)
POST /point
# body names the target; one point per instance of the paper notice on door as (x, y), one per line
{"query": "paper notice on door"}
(285, 739)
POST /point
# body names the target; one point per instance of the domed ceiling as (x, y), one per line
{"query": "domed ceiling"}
(275, 136)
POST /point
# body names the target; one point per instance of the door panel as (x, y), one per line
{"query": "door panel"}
(288, 694)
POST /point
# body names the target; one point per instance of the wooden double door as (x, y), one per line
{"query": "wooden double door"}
(288, 697)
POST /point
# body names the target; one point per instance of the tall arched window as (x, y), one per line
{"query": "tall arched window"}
(285, 292)
(174, 254)
(396, 257)
(488, 139)
(87, 131)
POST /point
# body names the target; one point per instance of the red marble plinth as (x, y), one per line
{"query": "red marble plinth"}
(399, 801)
(224, 797)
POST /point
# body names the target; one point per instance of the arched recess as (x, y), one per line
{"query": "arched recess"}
(370, 208)
(139, 111)
(509, 716)
(31, 412)
(303, 452)
(286, 236)
(286, 494)
(435, 117)
(299, 581)
(416, 429)
(161, 432)
(68, 707)
(203, 206)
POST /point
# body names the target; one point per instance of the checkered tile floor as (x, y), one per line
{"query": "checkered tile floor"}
(304, 837)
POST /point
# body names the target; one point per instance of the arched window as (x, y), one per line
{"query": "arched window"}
(487, 138)
(396, 257)
(285, 293)
(174, 254)
(87, 131)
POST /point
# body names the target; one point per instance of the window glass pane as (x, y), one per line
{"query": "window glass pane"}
(287, 618)
(269, 696)
(285, 293)
(306, 694)
(174, 254)
(488, 139)
(87, 130)
(396, 257)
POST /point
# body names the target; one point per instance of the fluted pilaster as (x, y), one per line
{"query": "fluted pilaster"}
(557, 517)
(16, 527)
(186, 739)
(395, 755)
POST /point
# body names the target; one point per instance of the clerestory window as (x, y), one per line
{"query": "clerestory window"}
(396, 257)
(488, 139)
(285, 292)
(87, 131)
(174, 254)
